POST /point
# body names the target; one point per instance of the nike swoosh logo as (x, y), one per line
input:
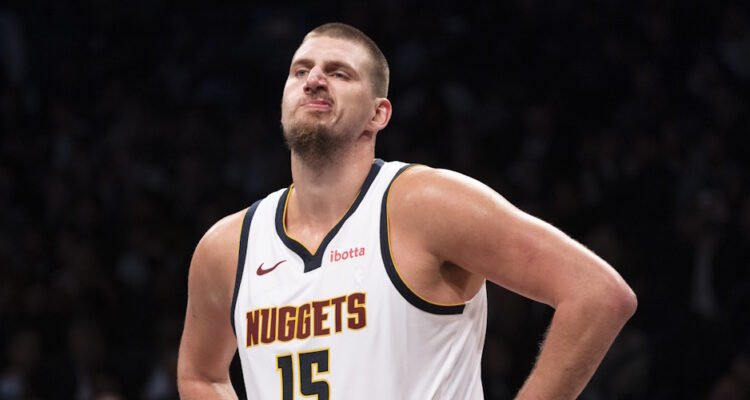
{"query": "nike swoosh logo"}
(262, 271)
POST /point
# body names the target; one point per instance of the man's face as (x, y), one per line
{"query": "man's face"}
(328, 97)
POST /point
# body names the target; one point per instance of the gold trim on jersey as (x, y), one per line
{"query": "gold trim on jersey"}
(390, 250)
(283, 220)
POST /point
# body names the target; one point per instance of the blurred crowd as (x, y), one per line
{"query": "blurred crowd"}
(128, 128)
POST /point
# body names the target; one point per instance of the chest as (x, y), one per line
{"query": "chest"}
(279, 276)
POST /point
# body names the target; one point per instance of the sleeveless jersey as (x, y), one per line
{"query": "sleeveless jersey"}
(339, 322)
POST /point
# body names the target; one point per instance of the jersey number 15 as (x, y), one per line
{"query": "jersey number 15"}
(310, 364)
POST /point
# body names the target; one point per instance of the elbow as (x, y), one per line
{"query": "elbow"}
(622, 301)
(183, 382)
(610, 302)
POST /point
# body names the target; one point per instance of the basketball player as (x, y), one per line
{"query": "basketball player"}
(366, 279)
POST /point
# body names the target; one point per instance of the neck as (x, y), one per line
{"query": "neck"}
(323, 193)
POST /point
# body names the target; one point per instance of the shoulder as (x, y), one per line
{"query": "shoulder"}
(221, 241)
(423, 189)
(221, 234)
(444, 209)
(214, 261)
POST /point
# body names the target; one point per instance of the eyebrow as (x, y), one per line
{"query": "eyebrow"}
(327, 65)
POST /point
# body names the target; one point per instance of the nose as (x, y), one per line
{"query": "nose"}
(316, 80)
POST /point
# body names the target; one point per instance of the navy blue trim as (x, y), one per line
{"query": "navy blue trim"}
(314, 261)
(245, 232)
(390, 267)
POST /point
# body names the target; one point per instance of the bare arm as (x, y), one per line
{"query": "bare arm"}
(208, 343)
(461, 221)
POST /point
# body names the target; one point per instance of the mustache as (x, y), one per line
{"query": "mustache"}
(317, 97)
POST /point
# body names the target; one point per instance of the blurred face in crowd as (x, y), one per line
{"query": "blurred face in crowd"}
(328, 97)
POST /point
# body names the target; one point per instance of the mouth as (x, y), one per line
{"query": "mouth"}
(317, 104)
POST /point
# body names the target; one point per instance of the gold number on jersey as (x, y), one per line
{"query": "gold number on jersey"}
(311, 364)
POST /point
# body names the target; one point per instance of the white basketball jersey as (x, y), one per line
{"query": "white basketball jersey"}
(339, 322)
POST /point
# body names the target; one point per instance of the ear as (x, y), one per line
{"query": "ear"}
(382, 115)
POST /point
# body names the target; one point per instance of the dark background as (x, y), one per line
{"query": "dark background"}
(128, 128)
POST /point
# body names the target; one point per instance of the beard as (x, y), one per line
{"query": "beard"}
(313, 142)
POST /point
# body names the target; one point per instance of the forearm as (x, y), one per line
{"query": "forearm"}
(193, 389)
(578, 338)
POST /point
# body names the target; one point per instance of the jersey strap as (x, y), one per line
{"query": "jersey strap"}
(385, 250)
(244, 233)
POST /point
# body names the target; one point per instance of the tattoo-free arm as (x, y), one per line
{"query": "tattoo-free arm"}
(208, 342)
(463, 222)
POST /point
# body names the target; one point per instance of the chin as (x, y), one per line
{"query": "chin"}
(304, 129)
